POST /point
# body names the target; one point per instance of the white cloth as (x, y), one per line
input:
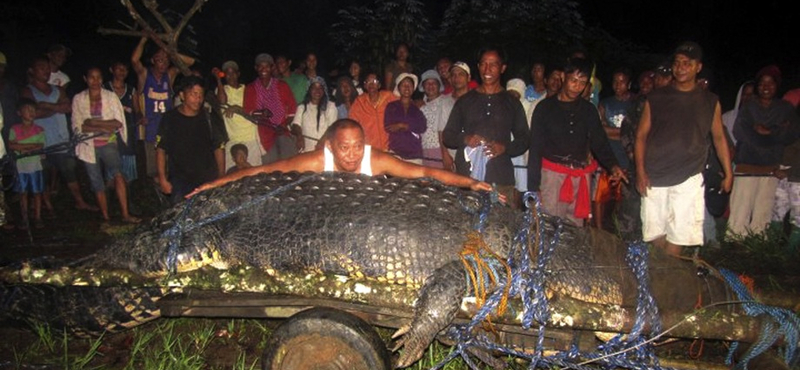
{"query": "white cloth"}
(366, 161)
(447, 101)
(520, 162)
(58, 78)
(433, 115)
(81, 111)
(675, 211)
(476, 157)
(729, 117)
(787, 199)
(306, 118)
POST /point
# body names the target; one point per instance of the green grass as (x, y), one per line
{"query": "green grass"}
(180, 344)
(765, 253)
(169, 343)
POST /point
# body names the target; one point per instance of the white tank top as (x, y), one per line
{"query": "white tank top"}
(366, 166)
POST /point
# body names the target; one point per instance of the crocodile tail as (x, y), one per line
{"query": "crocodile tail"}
(80, 310)
(436, 307)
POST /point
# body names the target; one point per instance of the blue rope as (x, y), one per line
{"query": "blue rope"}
(646, 309)
(175, 235)
(528, 282)
(784, 323)
(185, 224)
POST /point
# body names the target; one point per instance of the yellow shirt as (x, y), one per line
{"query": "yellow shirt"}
(239, 129)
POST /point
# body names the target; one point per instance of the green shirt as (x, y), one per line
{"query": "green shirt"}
(298, 84)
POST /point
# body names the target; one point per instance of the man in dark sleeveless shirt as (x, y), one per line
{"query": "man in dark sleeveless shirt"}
(672, 143)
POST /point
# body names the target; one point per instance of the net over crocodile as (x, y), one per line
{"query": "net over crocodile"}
(382, 241)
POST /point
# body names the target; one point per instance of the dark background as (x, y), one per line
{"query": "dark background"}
(738, 39)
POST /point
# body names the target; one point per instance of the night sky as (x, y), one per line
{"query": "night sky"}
(738, 39)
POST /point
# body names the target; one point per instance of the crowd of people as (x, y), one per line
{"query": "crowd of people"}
(654, 159)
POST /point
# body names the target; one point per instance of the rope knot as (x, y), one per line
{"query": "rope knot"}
(480, 263)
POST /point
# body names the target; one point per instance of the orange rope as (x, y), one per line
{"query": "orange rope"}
(696, 348)
(749, 283)
(476, 248)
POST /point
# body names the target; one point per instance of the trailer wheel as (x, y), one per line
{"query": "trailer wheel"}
(324, 338)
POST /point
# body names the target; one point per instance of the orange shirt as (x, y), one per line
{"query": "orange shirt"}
(370, 116)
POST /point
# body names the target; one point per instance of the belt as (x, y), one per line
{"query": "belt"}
(569, 163)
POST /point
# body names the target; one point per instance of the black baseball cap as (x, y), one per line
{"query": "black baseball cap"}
(690, 49)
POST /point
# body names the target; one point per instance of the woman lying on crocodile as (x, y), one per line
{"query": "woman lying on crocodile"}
(345, 151)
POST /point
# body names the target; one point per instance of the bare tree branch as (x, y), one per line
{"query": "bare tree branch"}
(152, 6)
(196, 7)
(136, 17)
(113, 31)
(167, 40)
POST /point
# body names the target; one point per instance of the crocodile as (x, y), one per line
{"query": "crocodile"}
(344, 230)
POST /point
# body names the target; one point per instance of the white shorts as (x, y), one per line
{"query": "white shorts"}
(675, 211)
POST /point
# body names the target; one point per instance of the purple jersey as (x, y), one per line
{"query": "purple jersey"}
(157, 100)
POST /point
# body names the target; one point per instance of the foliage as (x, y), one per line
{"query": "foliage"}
(764, 253)
(177, 344)
(371, 33)
(166, 344)
(525, 29)
(545, 30)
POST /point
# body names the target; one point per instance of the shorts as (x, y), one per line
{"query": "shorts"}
(65, 163)
(106, 160)
(675, 211)
(32, 182)
(128, 167)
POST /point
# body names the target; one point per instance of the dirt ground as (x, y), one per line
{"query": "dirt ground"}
(74, 234)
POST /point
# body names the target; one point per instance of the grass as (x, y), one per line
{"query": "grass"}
(765, 253)
(179, 344)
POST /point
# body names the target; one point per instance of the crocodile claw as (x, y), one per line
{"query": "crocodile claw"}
(435, 309)
(403, 330)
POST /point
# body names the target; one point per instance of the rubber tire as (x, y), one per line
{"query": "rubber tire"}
(323, 338)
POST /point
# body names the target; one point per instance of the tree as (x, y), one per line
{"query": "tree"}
(370, 33)
(525, 29)
(162, 33)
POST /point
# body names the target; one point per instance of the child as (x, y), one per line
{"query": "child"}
(239, 155)
(23, 138)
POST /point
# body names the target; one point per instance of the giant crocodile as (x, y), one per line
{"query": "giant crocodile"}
(403, 239)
